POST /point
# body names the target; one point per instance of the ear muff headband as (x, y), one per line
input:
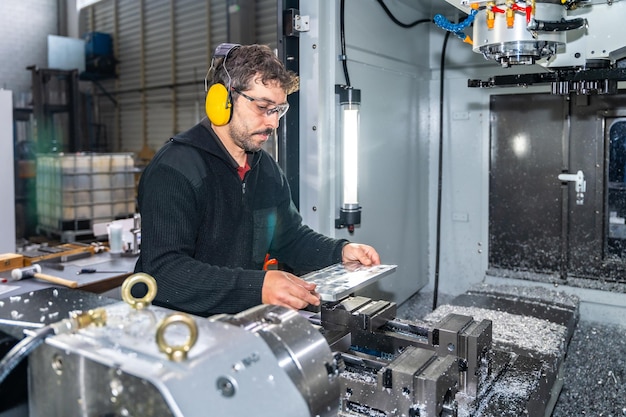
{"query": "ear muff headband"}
(219, 104)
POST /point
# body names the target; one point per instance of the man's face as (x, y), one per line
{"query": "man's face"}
(256, 113)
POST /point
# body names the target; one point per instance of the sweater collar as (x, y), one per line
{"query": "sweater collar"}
(197, 137)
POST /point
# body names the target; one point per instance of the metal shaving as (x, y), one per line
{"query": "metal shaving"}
(595, 372)
(533, 334)
(534, 293)
(556, 280)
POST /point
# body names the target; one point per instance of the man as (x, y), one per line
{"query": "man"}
(214, 204)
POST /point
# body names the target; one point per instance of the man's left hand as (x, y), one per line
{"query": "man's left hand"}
(364, 254)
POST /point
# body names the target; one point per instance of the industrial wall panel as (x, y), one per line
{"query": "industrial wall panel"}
(191, 35)
(160, 74)
(191, 46)
(131, 130)
(159, 117)
(189, 105)
(218, 27)
(266, 23)
(158, 42)
(104, 19)
(129, 44)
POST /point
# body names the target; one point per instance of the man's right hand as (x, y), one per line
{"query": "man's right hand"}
(285, 289)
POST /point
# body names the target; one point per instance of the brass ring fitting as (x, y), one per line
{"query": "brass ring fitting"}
(129, 283)
(177, 353)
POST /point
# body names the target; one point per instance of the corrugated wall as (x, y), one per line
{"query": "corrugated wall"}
(164, 49)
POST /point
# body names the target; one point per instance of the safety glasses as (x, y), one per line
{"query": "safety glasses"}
(265, 107)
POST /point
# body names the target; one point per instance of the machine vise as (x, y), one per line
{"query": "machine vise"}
(397, 367)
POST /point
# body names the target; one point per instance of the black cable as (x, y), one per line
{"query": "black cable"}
(440, 172)
(342, 30)
(22, 349)
(558, 26)
(399, 23)
(343, 33)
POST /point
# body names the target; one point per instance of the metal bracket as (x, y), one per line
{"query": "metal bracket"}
(294, 23)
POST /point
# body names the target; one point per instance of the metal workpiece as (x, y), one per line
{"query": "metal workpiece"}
(338, 281)
(269, 356)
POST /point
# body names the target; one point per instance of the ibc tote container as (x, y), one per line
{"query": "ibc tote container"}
(74, 191)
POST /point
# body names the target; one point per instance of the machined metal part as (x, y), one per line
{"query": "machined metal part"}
(119, 369)
(340, 280)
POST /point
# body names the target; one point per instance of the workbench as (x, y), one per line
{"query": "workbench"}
(115, 270)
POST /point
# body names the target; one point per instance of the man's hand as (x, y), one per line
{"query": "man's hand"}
(284, 289)
(364, 254)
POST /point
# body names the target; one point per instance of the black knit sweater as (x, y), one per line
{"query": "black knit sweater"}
(205, 232)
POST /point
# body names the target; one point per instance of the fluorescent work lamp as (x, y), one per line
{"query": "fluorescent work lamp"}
(349, 106)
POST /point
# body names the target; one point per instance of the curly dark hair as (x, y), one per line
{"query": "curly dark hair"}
(244, 62)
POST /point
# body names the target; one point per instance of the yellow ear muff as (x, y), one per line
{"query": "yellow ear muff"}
(218, 105)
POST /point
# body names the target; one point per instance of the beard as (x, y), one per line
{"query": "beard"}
(248, 140)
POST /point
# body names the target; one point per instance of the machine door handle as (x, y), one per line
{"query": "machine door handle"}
(580, 184)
